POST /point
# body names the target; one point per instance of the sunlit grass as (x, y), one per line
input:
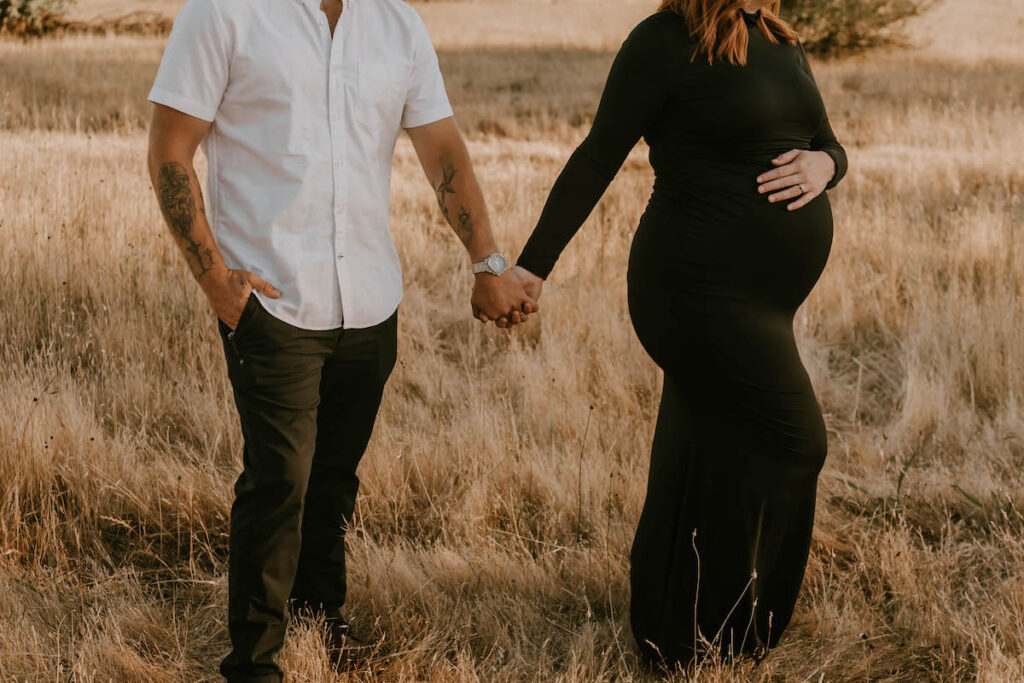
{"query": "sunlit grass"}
(491, 542)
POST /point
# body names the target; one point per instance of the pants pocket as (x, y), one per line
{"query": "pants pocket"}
(252, 304)
(231, 336)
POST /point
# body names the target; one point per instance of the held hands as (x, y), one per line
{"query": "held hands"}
(228, 290)
(507, 299)
(799, 173)
(530, 282)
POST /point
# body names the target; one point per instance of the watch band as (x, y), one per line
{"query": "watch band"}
(494, 264)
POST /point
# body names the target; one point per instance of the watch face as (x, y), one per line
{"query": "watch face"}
(496, 263)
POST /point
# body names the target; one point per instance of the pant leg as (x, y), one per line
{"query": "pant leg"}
(275, 375)
(350, 393)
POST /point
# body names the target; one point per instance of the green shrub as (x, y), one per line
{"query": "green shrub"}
(831, 27)
(31, 17)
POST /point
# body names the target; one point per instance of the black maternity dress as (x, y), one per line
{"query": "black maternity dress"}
(716, 273)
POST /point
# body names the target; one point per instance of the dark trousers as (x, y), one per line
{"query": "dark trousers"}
(307, 401)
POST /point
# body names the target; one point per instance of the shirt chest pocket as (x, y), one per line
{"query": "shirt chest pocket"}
(380, 95)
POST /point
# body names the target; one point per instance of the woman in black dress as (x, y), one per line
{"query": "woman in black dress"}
(735, 235)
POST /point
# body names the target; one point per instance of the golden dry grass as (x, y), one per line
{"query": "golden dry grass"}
(469, 558)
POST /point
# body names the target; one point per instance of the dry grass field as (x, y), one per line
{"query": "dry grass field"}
(492, 534)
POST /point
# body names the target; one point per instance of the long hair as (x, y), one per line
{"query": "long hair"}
(717, 26)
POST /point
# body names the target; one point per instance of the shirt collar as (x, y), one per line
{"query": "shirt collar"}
(315, 4)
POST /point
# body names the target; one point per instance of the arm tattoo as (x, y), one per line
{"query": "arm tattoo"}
(465, 228)
(445, 187)
(174, 192)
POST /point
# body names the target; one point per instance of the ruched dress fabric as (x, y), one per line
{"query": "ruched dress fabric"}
(716, 274)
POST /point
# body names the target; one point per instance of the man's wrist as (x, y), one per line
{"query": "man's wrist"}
(214, 277)
(479, 253)
(493, 264)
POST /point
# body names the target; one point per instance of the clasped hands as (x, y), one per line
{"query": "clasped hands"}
(507, 299)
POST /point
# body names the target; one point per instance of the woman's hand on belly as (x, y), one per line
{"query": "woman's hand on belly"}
(799, 174)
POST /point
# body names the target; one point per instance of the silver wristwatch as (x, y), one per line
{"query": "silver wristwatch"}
(493, 264)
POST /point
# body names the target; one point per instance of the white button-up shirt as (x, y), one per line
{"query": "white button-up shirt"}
(299, 152)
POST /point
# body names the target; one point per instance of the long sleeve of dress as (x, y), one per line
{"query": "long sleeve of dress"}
(825, 140)
(634, 92)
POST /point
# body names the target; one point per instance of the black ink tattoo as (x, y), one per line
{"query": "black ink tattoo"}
(174, 191)
(445, 188)
(465, 228)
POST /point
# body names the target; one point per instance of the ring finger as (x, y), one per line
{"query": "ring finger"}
(788, 193)
(780, 183)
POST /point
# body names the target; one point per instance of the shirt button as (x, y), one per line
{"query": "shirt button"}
(341, 256)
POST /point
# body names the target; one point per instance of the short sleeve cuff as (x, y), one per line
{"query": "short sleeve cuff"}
(183, 104)
(413, 119)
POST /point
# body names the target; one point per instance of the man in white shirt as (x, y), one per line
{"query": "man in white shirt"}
(297, 105)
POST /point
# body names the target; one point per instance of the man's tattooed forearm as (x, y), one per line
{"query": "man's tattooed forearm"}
(445, 188)
(174, 191)
(464, 224)
(465, 228)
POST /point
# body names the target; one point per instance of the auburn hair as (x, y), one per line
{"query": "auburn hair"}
(717, 26)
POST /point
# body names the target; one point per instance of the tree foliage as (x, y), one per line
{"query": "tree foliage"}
(31, 17)
(832, 27)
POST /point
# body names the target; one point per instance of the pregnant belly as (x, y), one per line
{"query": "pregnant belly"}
(759, 254)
